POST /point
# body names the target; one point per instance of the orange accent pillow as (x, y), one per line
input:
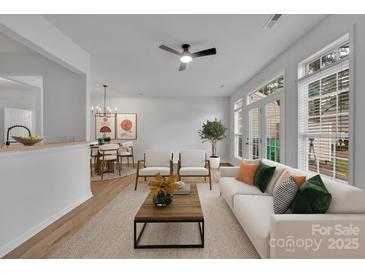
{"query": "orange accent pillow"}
(247, 172)
(299, 180)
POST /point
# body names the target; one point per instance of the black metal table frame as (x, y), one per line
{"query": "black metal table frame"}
(137, 239)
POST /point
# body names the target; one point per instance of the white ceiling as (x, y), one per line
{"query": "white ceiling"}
(124, 50)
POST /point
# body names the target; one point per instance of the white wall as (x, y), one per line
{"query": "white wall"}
(326, 32)
(64, 94)
(170, 123)
(23, 99)
(38, 187)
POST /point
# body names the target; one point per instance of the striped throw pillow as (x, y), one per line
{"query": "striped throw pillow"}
(284, 195)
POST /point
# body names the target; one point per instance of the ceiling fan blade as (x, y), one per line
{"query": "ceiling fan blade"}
(170, 50)
(206, 52)
(182, 66)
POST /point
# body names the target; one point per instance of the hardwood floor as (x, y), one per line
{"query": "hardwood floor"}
(49, 239)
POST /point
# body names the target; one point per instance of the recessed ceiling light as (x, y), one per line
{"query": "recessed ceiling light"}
(222, 86)
(139, 93)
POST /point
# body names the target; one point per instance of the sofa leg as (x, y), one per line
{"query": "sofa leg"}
(135, 186)
(145, 178)
(205, 178)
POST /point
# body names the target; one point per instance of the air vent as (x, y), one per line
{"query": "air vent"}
(272, 21)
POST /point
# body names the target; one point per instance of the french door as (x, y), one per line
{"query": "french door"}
(264, 129)
(254, 133)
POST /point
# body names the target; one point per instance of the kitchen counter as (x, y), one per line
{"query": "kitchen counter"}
(21, 147)
(40, 184)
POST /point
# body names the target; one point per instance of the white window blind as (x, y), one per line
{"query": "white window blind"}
(323, 121)
(255, 133)
(238, 128)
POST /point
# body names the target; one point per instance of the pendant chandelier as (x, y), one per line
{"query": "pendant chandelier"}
(106, 111)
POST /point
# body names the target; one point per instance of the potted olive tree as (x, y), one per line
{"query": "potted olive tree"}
(213, 131)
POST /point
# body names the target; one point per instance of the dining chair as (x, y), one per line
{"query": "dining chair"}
(108, 155)
(94, 152)
(126, 151)
(194, 163)
(155, 161)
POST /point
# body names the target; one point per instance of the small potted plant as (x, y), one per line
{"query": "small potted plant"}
(213, 131)
(162, 188)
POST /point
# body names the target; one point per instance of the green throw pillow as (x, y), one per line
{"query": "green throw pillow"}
(263, 176)
(313, 197)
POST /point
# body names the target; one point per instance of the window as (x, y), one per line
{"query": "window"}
(254, 133)
(272, 131)
(266, 90)
(329, 58)
(323, 112)
(238, 128)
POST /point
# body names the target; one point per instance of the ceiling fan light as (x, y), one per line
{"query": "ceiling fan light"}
(186, 59)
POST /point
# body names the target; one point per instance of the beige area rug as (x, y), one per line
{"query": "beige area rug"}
(110, 233)
(125, 171)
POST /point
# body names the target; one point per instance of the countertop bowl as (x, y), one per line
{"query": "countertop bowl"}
(27, 141)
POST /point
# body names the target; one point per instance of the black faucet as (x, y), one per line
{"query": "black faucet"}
(10, 128)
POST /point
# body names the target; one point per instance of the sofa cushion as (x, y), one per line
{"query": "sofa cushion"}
(157, 158)
(190, 171)
(152, 171)
(263, 176)
(345, 198)
(229, 187)
(247, 172)
(228, 171)
(192, 158)
(276, 177)
(313, 197)
(298, 179)
(254, 214)
(284, 195)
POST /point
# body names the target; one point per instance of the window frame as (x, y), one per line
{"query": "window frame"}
(302, 67)
(277, 77)
(320, 55)
(279, 94)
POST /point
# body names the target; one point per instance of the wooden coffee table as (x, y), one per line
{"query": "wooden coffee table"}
(183, 209)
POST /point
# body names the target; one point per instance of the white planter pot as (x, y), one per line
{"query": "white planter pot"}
(214, 162)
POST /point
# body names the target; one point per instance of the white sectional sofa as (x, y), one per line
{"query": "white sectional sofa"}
(340, 233)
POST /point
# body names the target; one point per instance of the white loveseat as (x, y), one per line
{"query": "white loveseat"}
(340, 233)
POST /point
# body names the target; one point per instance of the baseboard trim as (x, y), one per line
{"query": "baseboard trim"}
(9, 246)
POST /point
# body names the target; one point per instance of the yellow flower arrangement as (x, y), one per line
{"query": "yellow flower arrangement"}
(163, 186)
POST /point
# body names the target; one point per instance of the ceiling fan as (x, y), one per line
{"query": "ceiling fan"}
(185, 56)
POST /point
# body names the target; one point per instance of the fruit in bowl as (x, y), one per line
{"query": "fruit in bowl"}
(28, 140)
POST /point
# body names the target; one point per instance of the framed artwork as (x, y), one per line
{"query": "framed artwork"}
(105, 126)
(126, 126)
